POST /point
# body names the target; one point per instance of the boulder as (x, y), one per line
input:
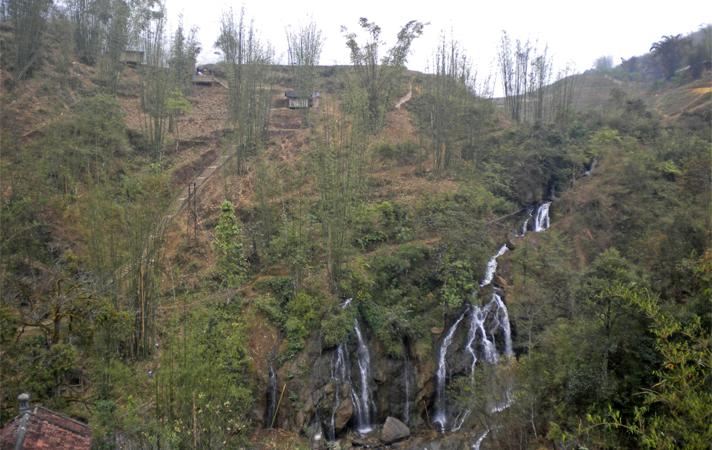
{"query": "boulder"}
(394, 430)
(343, 414)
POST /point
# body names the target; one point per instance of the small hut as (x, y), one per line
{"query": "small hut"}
(132, 58)
(298, 100)
(200, 79)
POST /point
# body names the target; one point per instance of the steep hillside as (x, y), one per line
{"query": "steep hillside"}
(402, 268)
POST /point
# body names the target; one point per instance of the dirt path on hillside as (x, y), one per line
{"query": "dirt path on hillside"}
(403, 100)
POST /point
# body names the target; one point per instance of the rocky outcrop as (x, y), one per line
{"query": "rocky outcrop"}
(394, 430)
(343, 414)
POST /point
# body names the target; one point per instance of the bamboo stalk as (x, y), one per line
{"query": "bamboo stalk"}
(276, 410)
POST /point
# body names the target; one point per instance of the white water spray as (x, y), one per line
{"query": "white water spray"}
(478, 442)
(440, 416)
(492, 266)
(364, 401)
(541, 221)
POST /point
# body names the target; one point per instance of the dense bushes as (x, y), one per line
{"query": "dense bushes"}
(402, 153)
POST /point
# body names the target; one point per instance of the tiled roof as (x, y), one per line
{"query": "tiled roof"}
(295, 94)
(41, 428)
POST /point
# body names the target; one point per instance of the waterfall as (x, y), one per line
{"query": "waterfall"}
(523, 231)
(590, 168)
(541, 221)
(361, 398)
(492, 266)
(440, 416)
(508, 400)
(502, 320)
(460, 420)
(496, 315)
(477, 324)
(489, 349)
(478, 442)
(364, 401)
(271, 398)
(475, 314)
(340, 373)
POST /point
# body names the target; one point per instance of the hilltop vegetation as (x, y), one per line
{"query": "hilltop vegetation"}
(176, 317)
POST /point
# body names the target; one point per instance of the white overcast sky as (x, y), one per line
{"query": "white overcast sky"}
(576, 31)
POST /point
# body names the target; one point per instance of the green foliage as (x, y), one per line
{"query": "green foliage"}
(272, 309)
(336, 327)
(376, 76)
(676, 410)
(282, 288)
(177, 104)
(203, 389)
(458, 283)
(28, 18)
(297, 316)
(338, 165)
(402, 297)
(231, 262)
(83, 148)
(302, 315)
(249, 94)
(99, 121)
(447, 112)
(401, 153)
(115, 16)
(669, 53)
(381, 223)
(183, 54)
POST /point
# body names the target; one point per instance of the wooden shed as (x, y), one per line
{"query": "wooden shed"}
(297, 100)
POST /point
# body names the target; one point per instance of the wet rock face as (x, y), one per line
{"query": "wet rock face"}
(389, 392)
(309, 376)
(394, 430)
(343, 414)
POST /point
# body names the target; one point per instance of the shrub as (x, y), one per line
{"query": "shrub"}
(403, 153)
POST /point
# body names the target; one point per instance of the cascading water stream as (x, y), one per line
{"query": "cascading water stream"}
(495, 313)
(477, 329)
(523, 231)
(478, 442)
(541, 220)
(361, 398)
(339, 375)
(476, 319)
(492, 266)
(440, 416)
(489, 349)
(364, 398)
(504, 404)
(502, 316)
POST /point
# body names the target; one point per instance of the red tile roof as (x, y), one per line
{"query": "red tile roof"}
(41, 428)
